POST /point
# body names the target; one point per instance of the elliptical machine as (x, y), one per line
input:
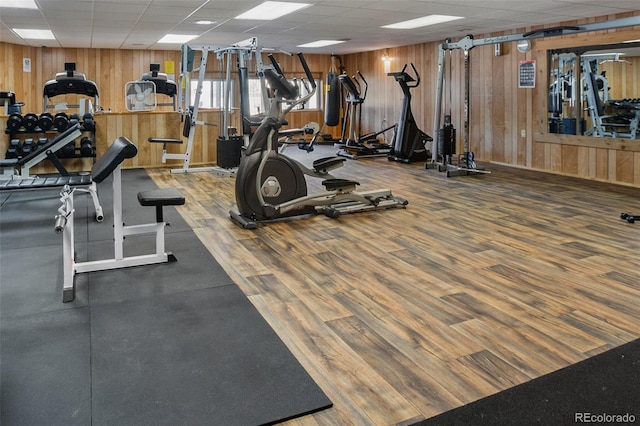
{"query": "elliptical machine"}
(409, 142)
(271, 186)
(354, 144)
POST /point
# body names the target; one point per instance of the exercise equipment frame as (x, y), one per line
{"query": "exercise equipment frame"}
(189, 110)
(271, 186)
(466, 44)
(111, 163)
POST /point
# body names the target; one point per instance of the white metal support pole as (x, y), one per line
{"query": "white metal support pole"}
(118, 225)
(68, 244)
(227, 98)
(439, 95)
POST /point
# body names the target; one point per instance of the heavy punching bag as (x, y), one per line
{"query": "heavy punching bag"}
(332, 98)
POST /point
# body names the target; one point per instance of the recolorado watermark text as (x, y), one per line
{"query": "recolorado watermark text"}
(604, 418)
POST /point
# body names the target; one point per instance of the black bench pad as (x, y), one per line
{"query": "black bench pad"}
(44, 182)
(161, 197)
(164, 140)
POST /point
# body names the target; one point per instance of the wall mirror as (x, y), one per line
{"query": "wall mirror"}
(595, 90)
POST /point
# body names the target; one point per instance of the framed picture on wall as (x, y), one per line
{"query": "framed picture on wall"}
(527, 74)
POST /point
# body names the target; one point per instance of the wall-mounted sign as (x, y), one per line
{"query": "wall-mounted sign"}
(527, 74)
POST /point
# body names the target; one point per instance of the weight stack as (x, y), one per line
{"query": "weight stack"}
(229, 151)
(447, 140)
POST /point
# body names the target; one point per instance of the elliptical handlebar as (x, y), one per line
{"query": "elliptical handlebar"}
(290, 90)
(366, 86)
(404, 78)
(276, 65)
(415, 71)
(307, 71)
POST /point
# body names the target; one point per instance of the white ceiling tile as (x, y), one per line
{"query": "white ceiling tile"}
(121, 23)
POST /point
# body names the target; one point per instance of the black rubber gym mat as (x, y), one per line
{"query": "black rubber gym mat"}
(599, 390)
(27, 218)
(174, 344)
(189, 358)
(46, 369)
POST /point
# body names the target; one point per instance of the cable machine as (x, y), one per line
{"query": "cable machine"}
(466, 165)
(229, 146)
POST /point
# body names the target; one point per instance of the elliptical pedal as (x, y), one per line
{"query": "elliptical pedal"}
(340, 185)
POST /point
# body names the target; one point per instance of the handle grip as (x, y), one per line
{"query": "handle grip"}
(275, 64)
(415, 71)
(61, 222)
(307, 71)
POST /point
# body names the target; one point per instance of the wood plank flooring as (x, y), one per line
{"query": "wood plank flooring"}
(481, 283)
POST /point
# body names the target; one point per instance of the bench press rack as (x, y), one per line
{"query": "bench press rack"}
(111, 163)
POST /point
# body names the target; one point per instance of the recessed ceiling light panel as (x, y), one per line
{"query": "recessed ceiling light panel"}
(321, 43)
(270, 10)
(18, 4)
(30, 34)
(177, 38)
(422, 22)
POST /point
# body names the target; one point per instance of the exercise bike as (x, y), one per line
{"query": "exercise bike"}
(271, 186)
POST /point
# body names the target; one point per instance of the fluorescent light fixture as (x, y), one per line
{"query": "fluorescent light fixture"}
(177, 38)
(422, 22)
(270, 10)
(205, 22)
(321, 43)
(18, 4)
(632, 41)
(29, 34)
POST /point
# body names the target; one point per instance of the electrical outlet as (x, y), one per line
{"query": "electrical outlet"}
(523, 133)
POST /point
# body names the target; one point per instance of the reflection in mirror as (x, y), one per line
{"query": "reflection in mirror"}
(595, 90)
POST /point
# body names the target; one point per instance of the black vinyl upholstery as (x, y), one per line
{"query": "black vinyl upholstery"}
(121, 149)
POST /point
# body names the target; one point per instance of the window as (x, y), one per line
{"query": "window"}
(212, 95)
(255, 97)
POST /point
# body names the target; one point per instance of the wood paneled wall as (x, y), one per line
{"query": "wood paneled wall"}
(500, 111)
(111, 69)
(508, 124)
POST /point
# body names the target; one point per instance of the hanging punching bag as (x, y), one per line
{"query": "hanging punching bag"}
(332, 95)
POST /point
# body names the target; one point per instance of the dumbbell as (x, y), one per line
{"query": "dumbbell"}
(14, 122)
(87, 122)
(69, 150)
(14, 150)
(30, 121)
(73, 120)
(45, 122)
(42, 142)
(86, 146)
(61, 121)
(28, 146)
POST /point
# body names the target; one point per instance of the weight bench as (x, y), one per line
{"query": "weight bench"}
(110, 163)
(84, 183)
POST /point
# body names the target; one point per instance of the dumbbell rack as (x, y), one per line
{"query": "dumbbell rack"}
(19, 140)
